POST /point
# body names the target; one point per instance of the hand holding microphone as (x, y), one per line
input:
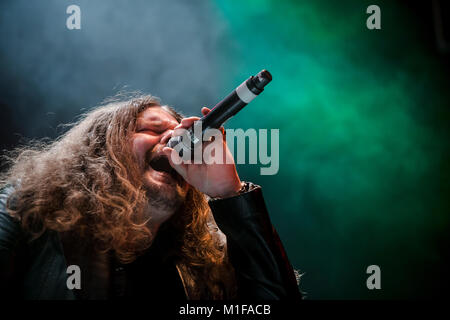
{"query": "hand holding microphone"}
(215, 179)
(225, 109)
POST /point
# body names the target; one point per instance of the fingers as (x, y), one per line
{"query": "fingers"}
(187, 122)
(205, 111)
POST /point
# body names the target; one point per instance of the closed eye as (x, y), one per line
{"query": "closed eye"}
(151, 130)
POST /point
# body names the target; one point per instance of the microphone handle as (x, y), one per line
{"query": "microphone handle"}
(225, 109)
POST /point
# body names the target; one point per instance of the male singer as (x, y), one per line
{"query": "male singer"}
(91, 216)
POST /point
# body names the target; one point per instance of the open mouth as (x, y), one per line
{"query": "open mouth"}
(161, 164)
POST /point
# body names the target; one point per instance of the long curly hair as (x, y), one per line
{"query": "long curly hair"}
(87, 181)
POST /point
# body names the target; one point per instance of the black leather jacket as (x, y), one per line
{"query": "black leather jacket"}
(37, 269)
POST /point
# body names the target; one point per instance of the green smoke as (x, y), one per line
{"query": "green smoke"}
(363, 141)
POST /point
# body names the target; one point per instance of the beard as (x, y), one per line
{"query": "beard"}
(165, 197)
(164, 201)
(165, 189)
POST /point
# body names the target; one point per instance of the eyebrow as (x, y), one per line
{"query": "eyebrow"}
(156, 121)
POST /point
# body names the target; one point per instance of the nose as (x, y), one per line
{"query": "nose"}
(165, 137)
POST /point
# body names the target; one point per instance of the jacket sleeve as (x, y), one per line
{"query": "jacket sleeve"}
(10, 237)
(262, 268)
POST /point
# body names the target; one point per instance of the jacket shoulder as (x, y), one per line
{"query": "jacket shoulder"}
(10, 229)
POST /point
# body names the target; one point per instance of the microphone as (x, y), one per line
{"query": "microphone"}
(222, 111)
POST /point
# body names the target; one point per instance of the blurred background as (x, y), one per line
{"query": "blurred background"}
(363, 114)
